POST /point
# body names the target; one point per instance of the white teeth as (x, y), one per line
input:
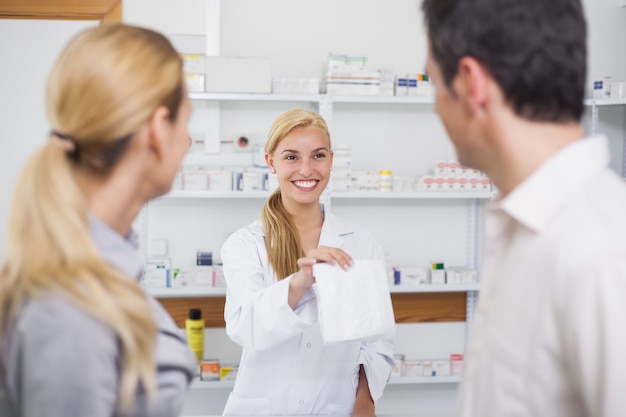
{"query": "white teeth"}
(305, 184)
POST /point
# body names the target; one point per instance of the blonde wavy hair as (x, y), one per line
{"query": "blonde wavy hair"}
(105, 85)
(281, 236)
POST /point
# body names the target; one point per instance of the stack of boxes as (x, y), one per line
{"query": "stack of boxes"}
(452, 176)
(433, 367)
(203, 178)
(348, 75)
(415, 85)
(341, 176)
(436, 275)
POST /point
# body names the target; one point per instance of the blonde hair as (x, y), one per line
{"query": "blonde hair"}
(105, 85)
(281, 236)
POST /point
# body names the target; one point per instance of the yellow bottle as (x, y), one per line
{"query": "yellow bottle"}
(194, 327)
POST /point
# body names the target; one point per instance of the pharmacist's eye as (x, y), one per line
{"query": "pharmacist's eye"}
(290, 157)
(320, 155)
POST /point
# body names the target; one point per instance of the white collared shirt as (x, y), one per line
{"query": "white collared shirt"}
(548, 338)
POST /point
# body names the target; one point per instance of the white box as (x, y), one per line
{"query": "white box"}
(204, 275)
(220, 180)
(195, 82)
(413, 275)
(441, 367)
(156, 273)
(193, 63)
(456, 364)
(438, 276)
(189, 44)
(341, 184)
(238, 75)
(427, 368)
(195, 180)
(413, 368)
(251, 181)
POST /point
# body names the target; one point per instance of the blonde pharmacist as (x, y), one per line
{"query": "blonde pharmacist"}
(79, 336)
(271, 309)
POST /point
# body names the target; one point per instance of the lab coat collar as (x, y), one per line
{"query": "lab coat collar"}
(537, 200)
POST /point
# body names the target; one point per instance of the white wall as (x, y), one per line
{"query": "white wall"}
(29, 49)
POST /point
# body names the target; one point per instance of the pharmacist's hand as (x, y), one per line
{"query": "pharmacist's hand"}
(304, 279)
(333, 256)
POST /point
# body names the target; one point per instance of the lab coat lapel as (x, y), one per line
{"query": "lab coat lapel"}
(333, 231)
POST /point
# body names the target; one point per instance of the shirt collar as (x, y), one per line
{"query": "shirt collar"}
(117, 250)
(535, 201)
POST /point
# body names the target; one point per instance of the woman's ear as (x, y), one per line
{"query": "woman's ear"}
(159, 131)
(270, 163)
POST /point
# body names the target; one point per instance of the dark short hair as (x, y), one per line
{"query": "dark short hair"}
(535, 50)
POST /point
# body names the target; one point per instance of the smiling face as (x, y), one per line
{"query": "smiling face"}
(302, 161)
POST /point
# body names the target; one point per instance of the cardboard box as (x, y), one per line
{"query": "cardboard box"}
(238, 75)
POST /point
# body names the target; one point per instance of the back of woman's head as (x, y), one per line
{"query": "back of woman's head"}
(105, 85)
(281, 236)
(108, 82)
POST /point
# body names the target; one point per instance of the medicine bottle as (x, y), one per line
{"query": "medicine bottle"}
(194, 328)
(386, 181)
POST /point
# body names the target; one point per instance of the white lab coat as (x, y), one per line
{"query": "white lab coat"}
(285, 368)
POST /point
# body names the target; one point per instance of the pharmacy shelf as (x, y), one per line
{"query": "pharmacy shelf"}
(402, 380)
(199, 384)
(311, 98)
(433, 288)
(383, 99)
(418, 195)
(255, 97)
(195, 292)
(187, 292)
(382, 195)
(605, 102)
(217, 194)
(351, 99)
(397, 380)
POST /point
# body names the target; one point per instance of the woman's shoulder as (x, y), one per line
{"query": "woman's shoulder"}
(250, 235)
(345, 227)
(52, 317)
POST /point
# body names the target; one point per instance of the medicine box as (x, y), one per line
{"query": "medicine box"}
(238, 75)
(157, 273)
(210, 370)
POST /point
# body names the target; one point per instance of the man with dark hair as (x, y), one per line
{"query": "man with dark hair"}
(548, 338)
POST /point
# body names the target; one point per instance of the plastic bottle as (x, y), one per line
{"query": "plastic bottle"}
(194, 328)
(386, 180)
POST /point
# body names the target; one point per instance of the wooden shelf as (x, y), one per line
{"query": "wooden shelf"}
(206, 291)
(408, 307)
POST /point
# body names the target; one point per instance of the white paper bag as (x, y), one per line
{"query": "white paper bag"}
(353, 304)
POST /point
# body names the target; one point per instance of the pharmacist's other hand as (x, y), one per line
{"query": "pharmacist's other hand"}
(363, 413)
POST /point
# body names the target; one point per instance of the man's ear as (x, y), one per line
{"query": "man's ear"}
(160, 127)
(472, 83)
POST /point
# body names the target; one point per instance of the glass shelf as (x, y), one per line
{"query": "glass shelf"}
(398, 380)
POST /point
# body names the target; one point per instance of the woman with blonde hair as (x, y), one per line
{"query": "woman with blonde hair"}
(271, 307)
(79, 335)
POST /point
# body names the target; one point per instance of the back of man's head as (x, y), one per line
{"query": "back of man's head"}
(534, 49)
